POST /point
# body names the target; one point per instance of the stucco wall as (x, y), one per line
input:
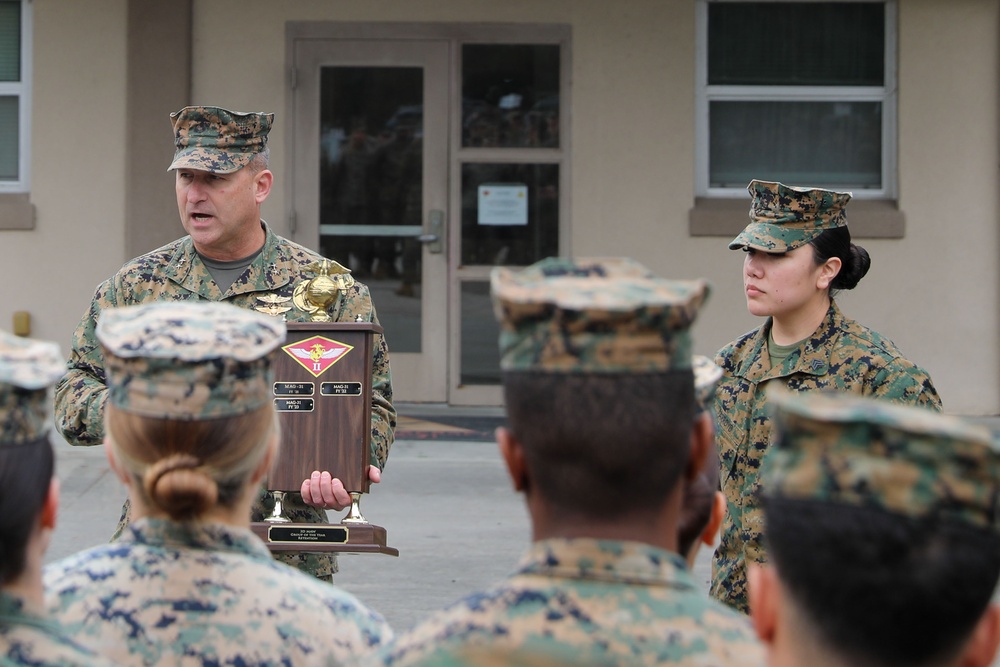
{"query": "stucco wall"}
(934, 292)
(77, 170)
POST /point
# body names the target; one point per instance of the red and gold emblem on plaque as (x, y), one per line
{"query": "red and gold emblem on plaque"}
(317, 354)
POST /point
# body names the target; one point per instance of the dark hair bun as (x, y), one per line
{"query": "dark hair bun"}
(853, 268)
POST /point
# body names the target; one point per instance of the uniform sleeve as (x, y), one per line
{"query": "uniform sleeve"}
(903, 381)
(358, 303)
(383, 413)
(81, 393)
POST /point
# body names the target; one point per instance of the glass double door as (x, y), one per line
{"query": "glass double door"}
(402, 178)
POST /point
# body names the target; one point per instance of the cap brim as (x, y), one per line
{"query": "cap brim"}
(773, 238)
(211, 160)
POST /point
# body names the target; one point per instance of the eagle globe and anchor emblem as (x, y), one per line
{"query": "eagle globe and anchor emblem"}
(315, 296)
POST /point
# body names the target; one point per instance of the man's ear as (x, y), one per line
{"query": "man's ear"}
(702, 434)
(50, 508)
(262, 185)
(764, 599)
(982, 646)
(714, 519)
(513, 455)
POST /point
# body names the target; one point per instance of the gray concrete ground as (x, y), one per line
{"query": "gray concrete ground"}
(447, 506)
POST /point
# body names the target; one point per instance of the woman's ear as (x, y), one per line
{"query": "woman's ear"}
(120, 473)
(827, 272)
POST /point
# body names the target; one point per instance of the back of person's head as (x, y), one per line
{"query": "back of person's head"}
(189, 413)
(700, 494)
(882, 527)
(597, 380)
(27, 462)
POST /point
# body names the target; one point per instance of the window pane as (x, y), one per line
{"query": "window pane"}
(796, 43)
(803, 143)
(371, 187)
(9, 133)
(510, 213)
(510, 95)
(480, 331)
(10, 40)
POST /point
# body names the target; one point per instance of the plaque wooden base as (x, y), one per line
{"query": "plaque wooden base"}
(321, 537)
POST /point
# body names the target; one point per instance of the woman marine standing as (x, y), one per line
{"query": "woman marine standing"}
(191, 430)
(798, 254)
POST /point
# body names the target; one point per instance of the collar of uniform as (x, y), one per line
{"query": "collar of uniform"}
(270, 270)
(155, 532)
(606, 560)
(814, 359)
(15, 610)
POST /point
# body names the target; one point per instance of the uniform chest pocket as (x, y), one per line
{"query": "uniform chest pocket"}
(729, 437)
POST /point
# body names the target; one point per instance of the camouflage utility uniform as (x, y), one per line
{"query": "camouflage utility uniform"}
(27, 638)
(175, 272)
(168, 593)
(587, 601)
(841, 355)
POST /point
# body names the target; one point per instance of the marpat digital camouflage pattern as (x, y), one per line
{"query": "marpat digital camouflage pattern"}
(587, 602)
(841, 355)
(848, 450)
(706, 378)
(30, 639)
(785, 217)
(209, 594)
(217, 140)
(27, 369)
(188, 360)
(594, 315)
(176, 273)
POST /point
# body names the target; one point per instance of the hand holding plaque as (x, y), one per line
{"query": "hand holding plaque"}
(322, 389)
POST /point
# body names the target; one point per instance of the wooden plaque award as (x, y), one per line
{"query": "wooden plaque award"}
(322, 390)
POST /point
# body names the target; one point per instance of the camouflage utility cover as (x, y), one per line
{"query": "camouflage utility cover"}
(706, 377)
(27, 369)
(783, 217)
(217, 140)
(209, 594)
(28, 638)
(188, 359)
(587, 602)
(590, 315)
(841, 355)
(857, 451)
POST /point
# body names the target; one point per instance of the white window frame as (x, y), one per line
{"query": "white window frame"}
(22, 90)
(706, 94)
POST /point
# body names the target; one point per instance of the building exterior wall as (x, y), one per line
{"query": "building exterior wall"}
(77, 168)
(935, 291)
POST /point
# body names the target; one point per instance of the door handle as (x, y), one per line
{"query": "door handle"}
(434, 234)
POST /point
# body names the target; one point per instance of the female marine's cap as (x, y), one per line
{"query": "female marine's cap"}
(585, 315)
(871, 453)
(27, 369)
(783, 217)
(188, 360)
(217, 140)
